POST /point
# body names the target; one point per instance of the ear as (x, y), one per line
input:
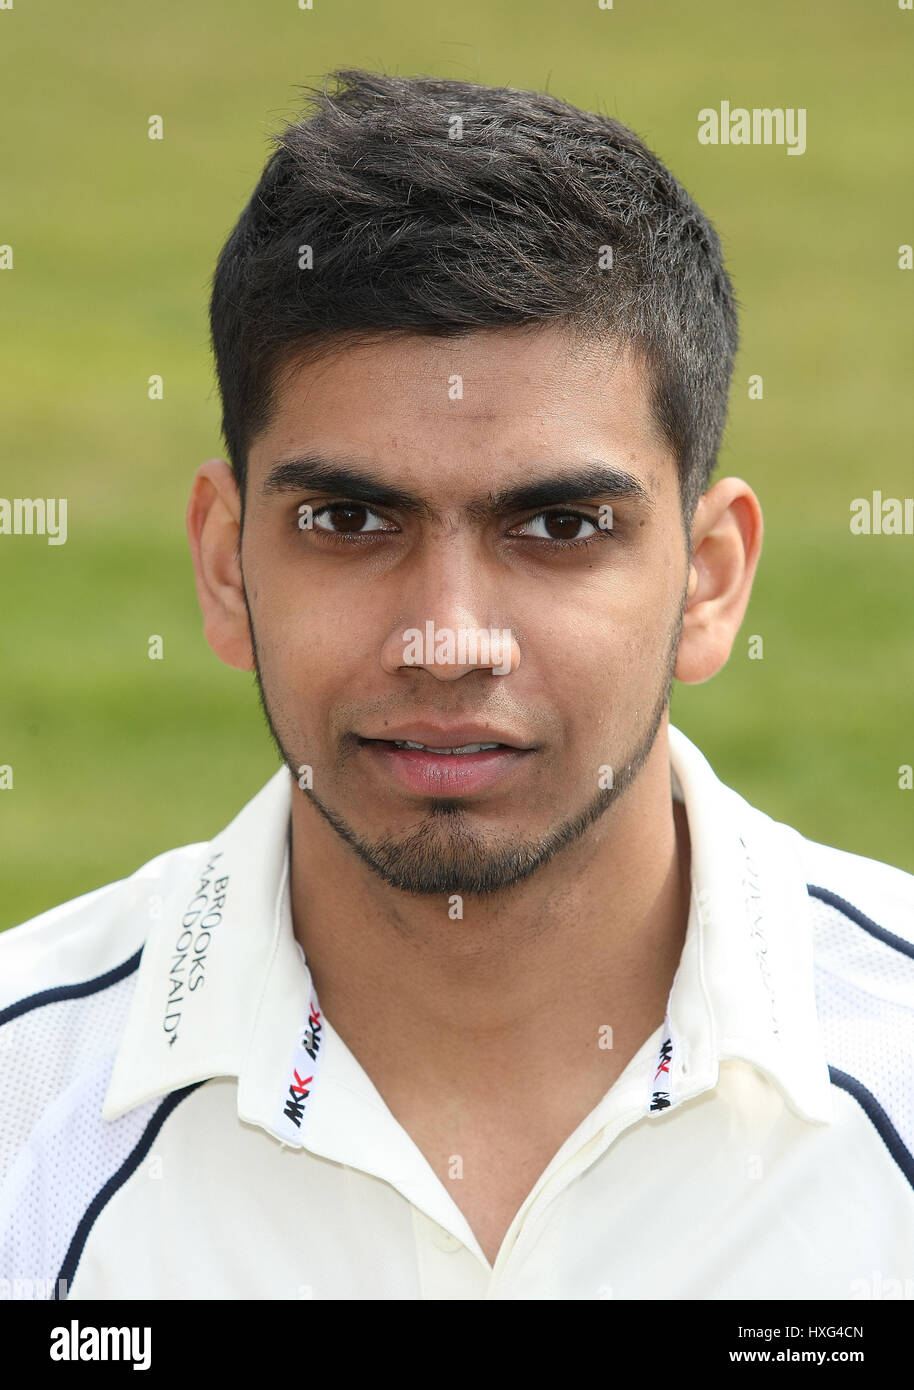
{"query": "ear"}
(726, 544)
(214, 533)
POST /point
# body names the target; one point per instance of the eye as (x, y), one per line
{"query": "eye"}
(348, 518)
(559, 526)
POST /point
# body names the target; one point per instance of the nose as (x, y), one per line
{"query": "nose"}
(449, 652)
(445, 628)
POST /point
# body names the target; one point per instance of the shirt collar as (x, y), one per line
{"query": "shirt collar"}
(744, 987)
(223, 988)
(222, 982)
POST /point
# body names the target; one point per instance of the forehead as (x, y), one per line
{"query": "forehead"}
(481, 405)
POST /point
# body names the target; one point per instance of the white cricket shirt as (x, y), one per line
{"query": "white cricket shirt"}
(179, 1120)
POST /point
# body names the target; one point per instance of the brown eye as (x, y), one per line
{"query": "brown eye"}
(559, 526)
(347, 518)
(563, 526)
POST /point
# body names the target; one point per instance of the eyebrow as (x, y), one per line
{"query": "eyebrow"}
(353, 481)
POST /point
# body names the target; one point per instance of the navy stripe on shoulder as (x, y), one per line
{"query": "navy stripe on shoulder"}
(78, 991)
(117, 1180)
(887, 1131)
(867, 923)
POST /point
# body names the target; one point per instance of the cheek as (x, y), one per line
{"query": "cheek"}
(615, 643)
(599, 679)
(618, 691)
(310, 656)
(299, 619)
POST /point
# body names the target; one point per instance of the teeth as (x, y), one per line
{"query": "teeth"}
(465, 748)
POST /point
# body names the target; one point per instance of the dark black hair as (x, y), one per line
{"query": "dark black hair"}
(440, 207)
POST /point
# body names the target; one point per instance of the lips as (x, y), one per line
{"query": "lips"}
(445, 768)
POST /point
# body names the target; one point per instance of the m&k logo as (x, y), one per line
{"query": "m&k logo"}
(298, 1094)
(308, 1050)
(660, 1100)
(311, 1040)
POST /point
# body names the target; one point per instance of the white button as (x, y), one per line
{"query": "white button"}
(443, 1239)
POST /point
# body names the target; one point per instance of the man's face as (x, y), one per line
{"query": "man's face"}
(364, 613)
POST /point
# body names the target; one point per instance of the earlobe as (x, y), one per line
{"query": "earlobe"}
(214, 531)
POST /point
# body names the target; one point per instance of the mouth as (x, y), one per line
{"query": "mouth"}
(444, 770)
(457, 752)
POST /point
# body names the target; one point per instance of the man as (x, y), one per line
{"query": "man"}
(494, 990)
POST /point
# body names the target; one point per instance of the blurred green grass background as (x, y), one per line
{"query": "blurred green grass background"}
(117, 758)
